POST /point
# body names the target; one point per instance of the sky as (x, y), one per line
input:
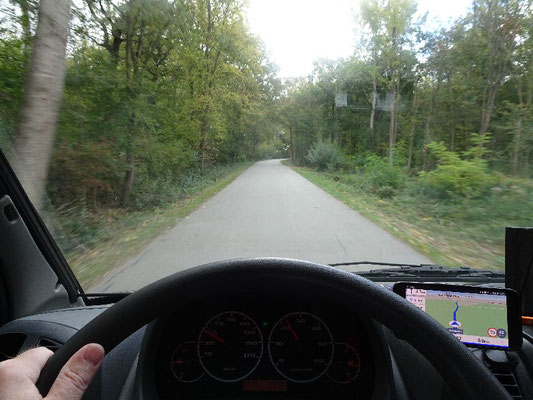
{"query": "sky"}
(297, 32)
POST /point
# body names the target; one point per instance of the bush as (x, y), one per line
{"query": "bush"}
(386, 192)
(324, 155)
(457, 176)
(353, 162)
(382, 175)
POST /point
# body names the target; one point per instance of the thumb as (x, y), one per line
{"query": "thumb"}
(77, 373)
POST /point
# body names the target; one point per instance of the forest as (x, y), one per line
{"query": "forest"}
(162, 95)
(433, 128)
(466, 86)
(155, 91)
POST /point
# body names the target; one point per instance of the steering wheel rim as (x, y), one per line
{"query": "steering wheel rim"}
(464, 374)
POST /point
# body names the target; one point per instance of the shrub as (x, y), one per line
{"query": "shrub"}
(352, 162)
(324, 155)
(386, 192)
(382, 175)
(457, 176)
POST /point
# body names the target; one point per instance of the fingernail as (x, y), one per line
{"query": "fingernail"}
(93, 354)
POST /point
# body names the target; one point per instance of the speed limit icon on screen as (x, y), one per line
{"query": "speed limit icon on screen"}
(492, 332)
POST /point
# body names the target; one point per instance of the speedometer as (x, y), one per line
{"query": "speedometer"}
(300, 347)
(230, 346)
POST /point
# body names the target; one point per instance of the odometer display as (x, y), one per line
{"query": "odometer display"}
(300, 347)
(230, 346)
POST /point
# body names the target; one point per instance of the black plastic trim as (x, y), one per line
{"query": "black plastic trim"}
(42, 237)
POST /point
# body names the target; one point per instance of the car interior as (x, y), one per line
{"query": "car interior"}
(250, 328)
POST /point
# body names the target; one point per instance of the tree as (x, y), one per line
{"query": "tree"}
(499, 25)
(391, 26)
(43, 92)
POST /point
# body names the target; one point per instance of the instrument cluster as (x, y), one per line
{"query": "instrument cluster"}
(247, 349)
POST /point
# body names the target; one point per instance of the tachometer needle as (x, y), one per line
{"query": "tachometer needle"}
(214, 336)
(291, 330)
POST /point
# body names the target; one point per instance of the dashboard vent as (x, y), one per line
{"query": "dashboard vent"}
(10, 345)
(49, 344)
(508, 380)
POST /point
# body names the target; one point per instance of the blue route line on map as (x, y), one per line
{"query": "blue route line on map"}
(455, 311)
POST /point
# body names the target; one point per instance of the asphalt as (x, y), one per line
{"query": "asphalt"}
(269, 211)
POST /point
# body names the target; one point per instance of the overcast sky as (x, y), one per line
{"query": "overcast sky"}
(297, 32)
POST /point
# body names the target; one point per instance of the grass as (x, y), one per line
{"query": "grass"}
(122, 234)
(471, 232)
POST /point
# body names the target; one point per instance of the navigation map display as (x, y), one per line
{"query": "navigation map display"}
(478, 316)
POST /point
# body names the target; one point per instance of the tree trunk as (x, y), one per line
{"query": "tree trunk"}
(426, 139)
(129, 179)
(412, 134)
(488, 106)
(427, 134)
(203, 140)
(42, 98)
(410, 154)
(452, 135)
(452, 114)
(517, 144)
(373, 112)
(392, 126)
(129, 175)
(518, 131)
(292, 145)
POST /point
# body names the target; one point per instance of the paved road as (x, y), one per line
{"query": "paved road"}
(269, 210)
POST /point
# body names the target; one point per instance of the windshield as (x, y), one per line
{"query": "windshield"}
(158, 135)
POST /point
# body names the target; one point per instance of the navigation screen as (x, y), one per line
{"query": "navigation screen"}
(474, 318)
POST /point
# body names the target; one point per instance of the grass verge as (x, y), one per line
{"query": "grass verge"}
(123, 233)
(447, 241)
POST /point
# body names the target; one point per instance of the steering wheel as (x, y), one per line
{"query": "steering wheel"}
(465, 375)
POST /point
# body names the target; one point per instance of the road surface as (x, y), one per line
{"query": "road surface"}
(269, 210)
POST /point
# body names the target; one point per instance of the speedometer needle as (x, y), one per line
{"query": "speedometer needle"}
(291, 330)
(214, 336)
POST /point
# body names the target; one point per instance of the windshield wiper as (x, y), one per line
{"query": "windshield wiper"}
(424, 272)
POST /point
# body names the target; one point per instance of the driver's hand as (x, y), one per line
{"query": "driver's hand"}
(18, 375)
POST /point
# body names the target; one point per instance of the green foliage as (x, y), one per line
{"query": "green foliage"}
(453, 231)
(12, 64)
(353, 162)
(84, 173)
(441, 94)
(266, 151)
(77, 227)
(324, 155)
(164, 191)
(458, 176)
(383, 178)
(199, 94)
(195, 94)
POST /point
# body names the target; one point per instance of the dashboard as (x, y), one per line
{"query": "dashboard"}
(161, 360)
(250, 348)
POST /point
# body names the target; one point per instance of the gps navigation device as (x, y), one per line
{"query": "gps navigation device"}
(477, 316)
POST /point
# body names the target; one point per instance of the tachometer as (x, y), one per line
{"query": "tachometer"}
(300, 347)
(230, 346)
(345, 365)
(184, 363)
